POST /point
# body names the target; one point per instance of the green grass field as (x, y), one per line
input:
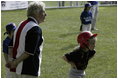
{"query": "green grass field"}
(60, 30)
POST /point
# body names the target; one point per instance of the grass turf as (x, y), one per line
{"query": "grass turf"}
(60, 30)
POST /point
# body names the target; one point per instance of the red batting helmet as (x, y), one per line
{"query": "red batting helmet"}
(83, 38)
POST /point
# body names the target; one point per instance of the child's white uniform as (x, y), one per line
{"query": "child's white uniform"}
(94, 10)
(86, 27)
(74, 73)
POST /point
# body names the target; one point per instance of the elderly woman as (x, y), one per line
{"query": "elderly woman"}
(27, 43)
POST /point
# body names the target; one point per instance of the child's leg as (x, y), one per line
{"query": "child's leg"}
(95, 13)
(89, 27)
(86, 27)
(95, 17)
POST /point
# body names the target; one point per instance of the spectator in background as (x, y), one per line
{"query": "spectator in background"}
(61, 3)
(10, 28)
(27, 43)
(3, 3)
(71, 3)
(94, 10)
(76, 3)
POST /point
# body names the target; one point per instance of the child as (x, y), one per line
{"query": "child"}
(9, 31)
(80, 56)
(86, 18)
(94, 10)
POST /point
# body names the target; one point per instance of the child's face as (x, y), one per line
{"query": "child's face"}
(92, 42)
(11, 33)
(88, 8)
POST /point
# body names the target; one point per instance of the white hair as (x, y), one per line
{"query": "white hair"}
(35, 7)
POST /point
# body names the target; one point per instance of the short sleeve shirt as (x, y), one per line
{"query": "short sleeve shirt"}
(6, 43)
(80, 58)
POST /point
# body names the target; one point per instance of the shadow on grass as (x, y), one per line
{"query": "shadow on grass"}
(68, 34)
(69, 47)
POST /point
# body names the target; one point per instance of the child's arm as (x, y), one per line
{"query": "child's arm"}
(64, 58)
(10, 50)
(5, 51)
(92, 53)
(72, 63)
(6, 57)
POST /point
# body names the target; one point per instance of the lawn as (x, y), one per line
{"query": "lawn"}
(60, 31)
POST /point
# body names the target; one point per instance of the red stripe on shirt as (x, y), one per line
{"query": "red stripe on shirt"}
(18, 33)
(17, 38)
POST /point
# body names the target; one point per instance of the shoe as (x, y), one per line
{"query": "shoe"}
(94, 29)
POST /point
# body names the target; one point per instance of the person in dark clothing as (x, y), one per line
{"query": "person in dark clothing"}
(80, 56)
(28, 43)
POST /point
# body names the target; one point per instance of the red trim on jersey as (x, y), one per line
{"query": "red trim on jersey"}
(18, 33)
(17, 38)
